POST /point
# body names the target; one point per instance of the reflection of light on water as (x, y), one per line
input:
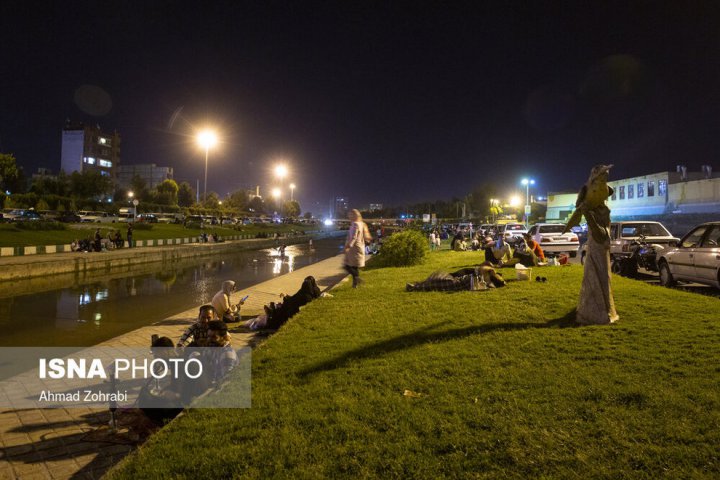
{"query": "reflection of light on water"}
(84, 298)
(101, 295)
(290, 262)
(277, 265)
(98, 317)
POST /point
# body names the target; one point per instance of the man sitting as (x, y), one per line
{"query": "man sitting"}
(498, 253)
(222, 358)
(198, 330)
(529, 252)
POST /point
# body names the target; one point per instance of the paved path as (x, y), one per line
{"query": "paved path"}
(76, 443)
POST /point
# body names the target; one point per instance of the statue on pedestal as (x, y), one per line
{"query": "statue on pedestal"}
(596, 305)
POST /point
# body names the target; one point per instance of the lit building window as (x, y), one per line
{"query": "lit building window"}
(631, 191)
(105, 173)
(641, 190)
(622, 192)
(614, 195)
(104, 163)
(662, 187)
(651, 189)
(91, 160)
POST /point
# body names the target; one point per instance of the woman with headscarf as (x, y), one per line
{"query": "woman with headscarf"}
(221, 301)
(355, 245)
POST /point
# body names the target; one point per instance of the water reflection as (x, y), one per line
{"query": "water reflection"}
(87, 313)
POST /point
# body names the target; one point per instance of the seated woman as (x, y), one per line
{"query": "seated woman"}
(277, 314)
(462, 279)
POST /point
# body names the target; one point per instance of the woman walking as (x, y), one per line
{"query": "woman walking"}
(355, 245)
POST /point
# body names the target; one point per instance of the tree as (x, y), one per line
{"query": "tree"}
(89, 184)
(139, 188)
(308, 215)
(257, 205)
(185, 195)
(11, 176)
(167, 193)
(212, 201)
(238, 199)
(292, 208)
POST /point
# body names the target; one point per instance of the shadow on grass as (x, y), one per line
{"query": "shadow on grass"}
(427, 335)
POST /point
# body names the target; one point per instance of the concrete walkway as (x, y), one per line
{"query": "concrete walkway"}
(77, 443)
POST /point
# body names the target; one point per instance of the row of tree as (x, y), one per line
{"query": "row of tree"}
(88, 189)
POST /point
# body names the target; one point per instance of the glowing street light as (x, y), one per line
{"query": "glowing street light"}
(527, 182)
(276, 192)
(206, 139)
(514, 201)
(292, 191)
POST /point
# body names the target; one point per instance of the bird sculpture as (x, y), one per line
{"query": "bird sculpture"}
(592, 194)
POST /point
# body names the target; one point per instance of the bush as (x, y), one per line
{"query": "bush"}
(403, 249)
(193, 225)
(41, 225)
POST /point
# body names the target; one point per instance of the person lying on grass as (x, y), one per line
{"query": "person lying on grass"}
(463, 279)
(276, 315)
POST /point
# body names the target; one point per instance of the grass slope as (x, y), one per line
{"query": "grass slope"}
(508, 388)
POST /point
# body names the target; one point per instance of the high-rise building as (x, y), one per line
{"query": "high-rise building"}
(87, 148)
(375, 207)
(342, 204)
(151, 174)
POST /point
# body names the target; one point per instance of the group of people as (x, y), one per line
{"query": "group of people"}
(99, 243)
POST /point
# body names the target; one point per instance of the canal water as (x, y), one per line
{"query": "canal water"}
(57, 311)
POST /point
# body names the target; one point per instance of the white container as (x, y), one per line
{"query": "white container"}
(522, 272)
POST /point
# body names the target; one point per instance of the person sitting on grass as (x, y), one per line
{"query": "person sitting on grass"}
(198, 330)
(498, 253)
(221, 301)
(534, 247)
(463, 279)
(222, 358)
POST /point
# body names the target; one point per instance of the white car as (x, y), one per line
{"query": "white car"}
(87, 216)
(552, 240)
(512, 231)
(696, 258)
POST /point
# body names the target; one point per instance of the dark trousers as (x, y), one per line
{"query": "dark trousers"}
(355, 272)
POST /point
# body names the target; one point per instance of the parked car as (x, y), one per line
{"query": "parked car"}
(146, 218)
(68, 217)
(552, 240)
(10, 214)
(28, 216)
(511, 231)
(622, 234)
(87, 216)
(695, 258)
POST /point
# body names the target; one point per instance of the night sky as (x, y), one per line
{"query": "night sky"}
(381, 101)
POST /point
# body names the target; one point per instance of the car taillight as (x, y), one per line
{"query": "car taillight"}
(573, 239)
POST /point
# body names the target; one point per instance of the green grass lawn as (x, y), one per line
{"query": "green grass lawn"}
(507, 388)
(11, 236)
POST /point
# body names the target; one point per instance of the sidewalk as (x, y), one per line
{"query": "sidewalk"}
(76, 443)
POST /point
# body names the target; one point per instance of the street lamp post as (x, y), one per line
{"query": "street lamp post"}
(493, 208)
(207, 139)
(292, 192)
(527, 182)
